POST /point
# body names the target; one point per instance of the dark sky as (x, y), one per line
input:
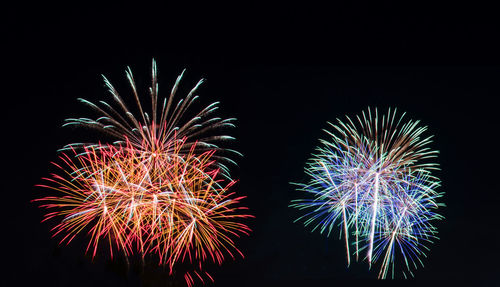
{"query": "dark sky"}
(282, 75)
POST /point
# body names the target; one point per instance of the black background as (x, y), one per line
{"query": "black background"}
(282, 72)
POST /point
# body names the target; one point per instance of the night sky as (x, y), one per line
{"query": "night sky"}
(282, 82)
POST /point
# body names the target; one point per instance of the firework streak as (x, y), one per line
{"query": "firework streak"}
(156, 190)
(373, 180)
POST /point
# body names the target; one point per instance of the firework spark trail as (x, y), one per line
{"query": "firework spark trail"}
(161, 188)
(374, 178)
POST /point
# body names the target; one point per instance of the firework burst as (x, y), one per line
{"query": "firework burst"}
(167, 120)
(167, 205)
(373, 179)
(159, 189)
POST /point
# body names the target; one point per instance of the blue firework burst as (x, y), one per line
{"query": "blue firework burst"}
(373, 180)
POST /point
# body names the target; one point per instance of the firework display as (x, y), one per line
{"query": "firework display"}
(159, 189)
(373, 181)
